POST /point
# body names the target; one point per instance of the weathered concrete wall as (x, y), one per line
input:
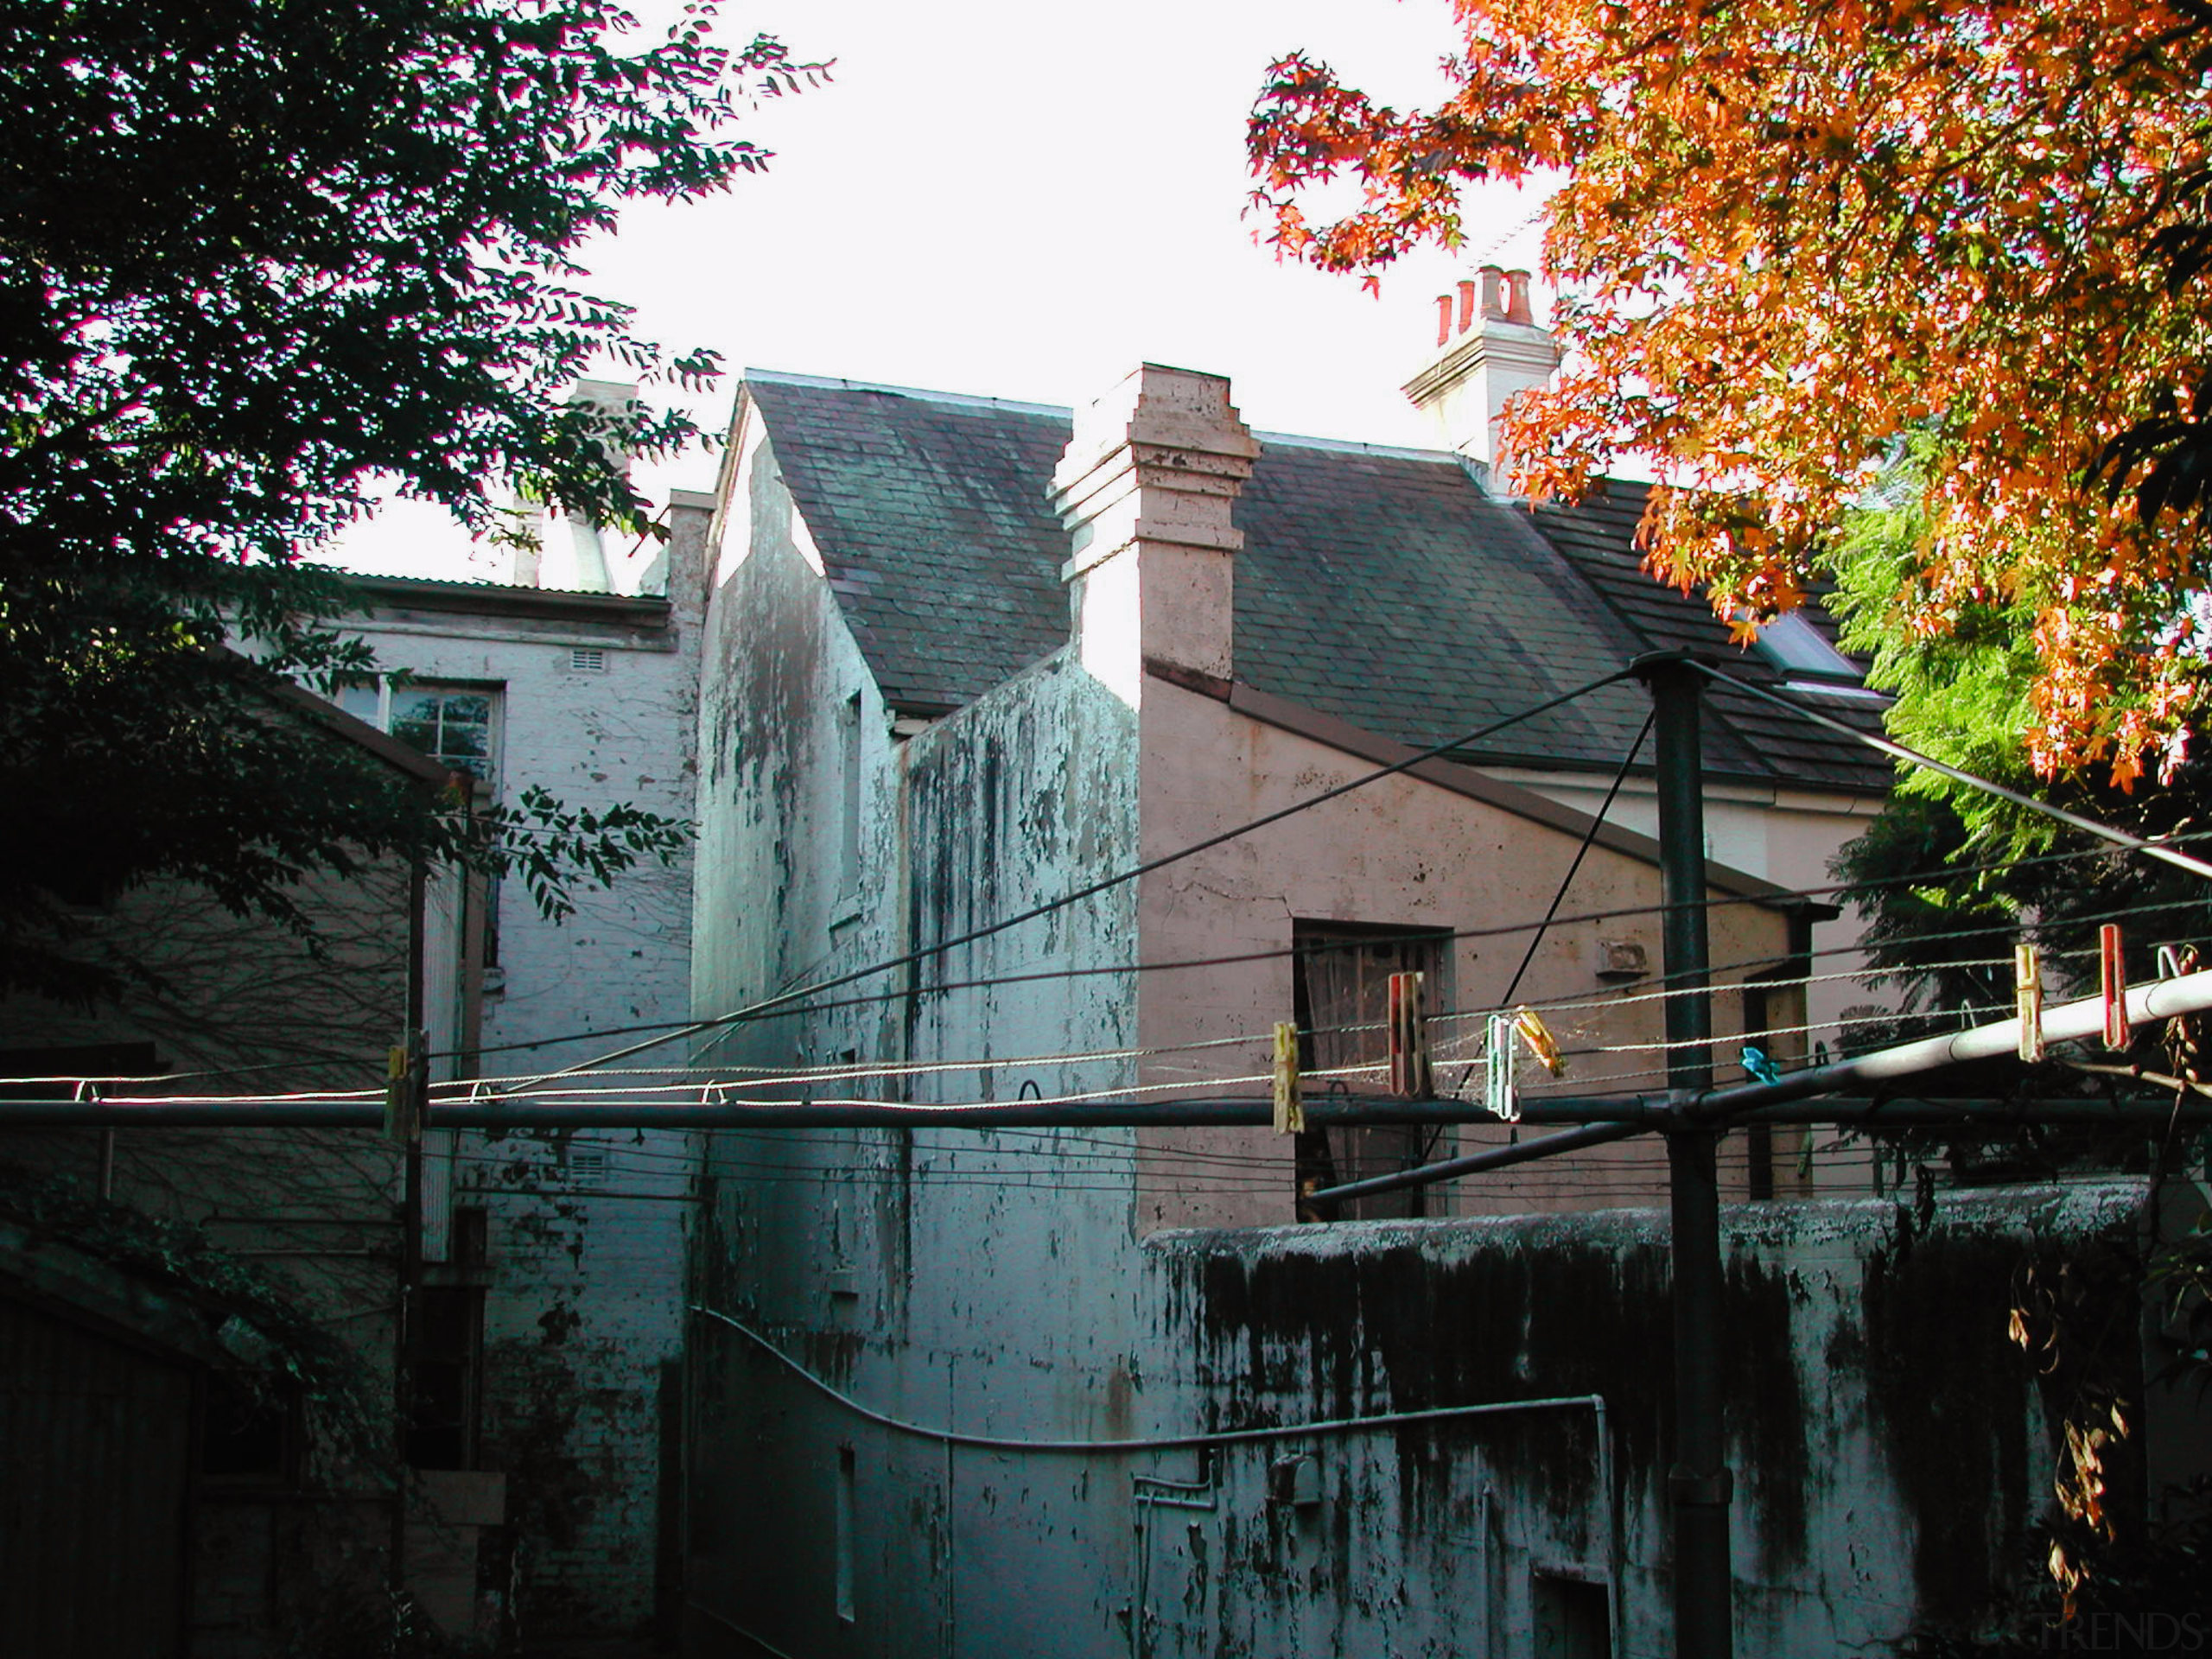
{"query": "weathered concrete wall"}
(897, 1259)
(1891, 1445)
(777, 896)
(1400, 852)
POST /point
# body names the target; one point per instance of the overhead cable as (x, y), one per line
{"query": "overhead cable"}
(2157, 849)
(677, 1027)
(1106, 883)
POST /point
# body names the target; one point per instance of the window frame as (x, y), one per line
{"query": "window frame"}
(387, 686)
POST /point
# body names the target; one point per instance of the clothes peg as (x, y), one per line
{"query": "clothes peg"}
(1498, 1093)
(1410, 1072)
(1290, 1109)
(1542, 1043)
(2027, 995)
(403, 1096)
(2113, 973)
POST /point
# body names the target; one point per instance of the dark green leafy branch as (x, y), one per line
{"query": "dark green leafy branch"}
(548, 845)
(262, 260)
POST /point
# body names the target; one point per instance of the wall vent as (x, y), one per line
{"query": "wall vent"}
(1620, 959)
(588, 659)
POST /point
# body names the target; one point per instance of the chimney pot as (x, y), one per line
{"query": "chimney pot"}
(1517, 304)
(1501, 351)
(1493, 280)
(1443, 318)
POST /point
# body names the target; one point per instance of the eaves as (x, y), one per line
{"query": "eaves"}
(636, 613)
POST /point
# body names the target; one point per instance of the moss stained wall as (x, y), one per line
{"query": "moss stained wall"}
(1891, 1447)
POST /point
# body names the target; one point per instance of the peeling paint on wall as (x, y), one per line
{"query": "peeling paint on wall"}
(1033, 1286)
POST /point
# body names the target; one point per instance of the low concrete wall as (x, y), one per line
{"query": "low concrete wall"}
(1892, 1448)
(1889, 1444)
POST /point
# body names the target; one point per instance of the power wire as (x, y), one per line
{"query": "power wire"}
(1104, 884)
(677, 1027)
(1898, 751)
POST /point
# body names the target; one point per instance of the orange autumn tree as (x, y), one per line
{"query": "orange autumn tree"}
(1793, 233)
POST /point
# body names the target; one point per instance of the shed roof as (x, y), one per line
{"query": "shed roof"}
(1381, 585)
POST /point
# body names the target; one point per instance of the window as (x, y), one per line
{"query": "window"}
(455, 725)
(1573, 1617)
(448, 1364)
(846, 1521)
(1341, 989)
(848, 805)
(1807, 662)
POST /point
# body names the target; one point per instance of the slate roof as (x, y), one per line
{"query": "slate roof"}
(1381, 585)
(1597, 536)
(930, 518)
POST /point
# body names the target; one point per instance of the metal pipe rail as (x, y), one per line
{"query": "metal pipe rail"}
(2161, 1000)
(1778, 1102)
(1618, 1114)
(147, 1111)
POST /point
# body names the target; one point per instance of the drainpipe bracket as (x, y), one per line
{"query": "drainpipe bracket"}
(1691, 1491)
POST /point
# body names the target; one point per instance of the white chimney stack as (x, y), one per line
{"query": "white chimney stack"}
(1145, 488)
(1488, 347)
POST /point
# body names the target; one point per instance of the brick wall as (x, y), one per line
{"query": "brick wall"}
(584, 1232)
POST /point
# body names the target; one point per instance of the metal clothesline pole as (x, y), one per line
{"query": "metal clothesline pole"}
(1700, 1483)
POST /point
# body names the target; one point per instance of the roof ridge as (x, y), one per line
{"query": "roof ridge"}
(964, 399)
(1355, 447)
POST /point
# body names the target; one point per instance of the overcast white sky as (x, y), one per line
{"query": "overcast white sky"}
(1024, 200)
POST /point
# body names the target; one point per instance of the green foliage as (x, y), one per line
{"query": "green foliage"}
(1961, 679)
(260, 259)
(549, 845)
(1947, 872)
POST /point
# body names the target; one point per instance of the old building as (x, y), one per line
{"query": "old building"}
(555, 1257)
(542, 1406)
(966, 660)
(195, 1463)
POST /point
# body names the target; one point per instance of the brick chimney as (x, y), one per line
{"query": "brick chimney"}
(1145, 488)
(1488, 347)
